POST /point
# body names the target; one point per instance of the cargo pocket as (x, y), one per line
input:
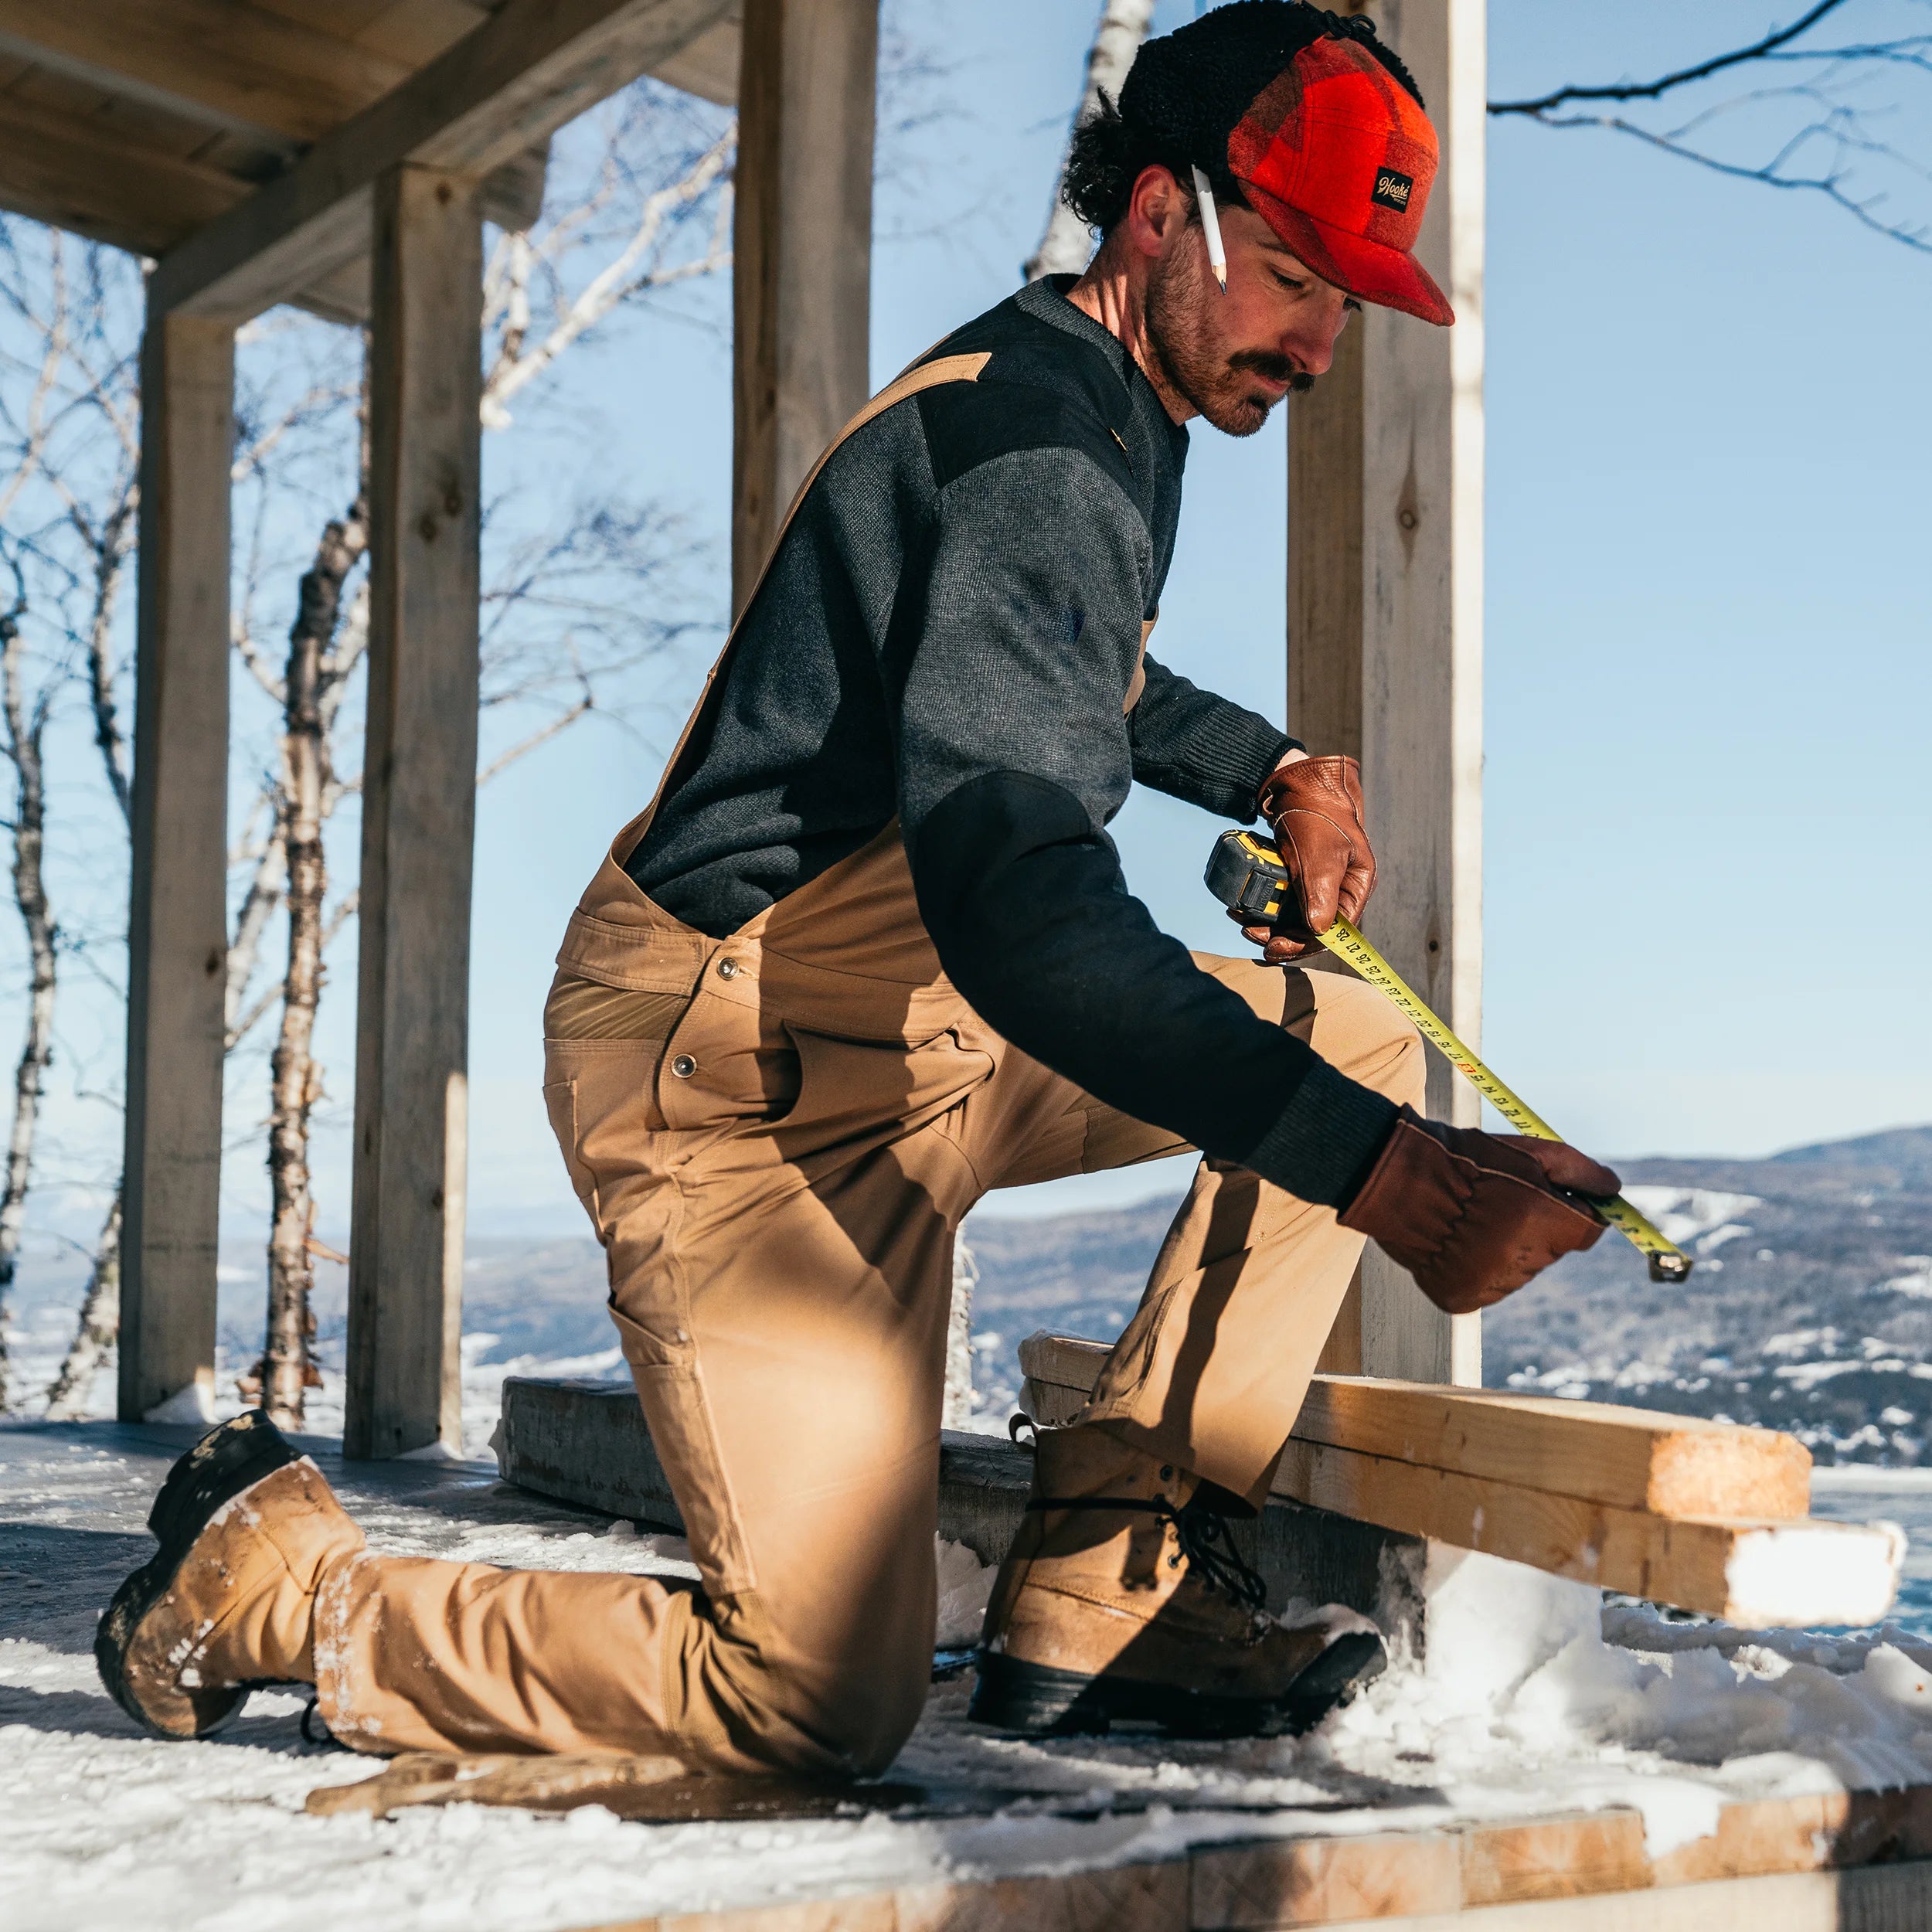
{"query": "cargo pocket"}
(560, 1102)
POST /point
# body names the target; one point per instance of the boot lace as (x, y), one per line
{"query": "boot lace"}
(1205, 1541)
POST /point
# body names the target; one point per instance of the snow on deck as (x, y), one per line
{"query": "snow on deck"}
(1522, 1710)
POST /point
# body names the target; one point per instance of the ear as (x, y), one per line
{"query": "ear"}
(1157, 211)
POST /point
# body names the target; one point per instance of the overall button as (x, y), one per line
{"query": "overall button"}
(727, 969)
(683, 1066)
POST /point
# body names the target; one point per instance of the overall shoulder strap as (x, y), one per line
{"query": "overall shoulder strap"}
(921, 375)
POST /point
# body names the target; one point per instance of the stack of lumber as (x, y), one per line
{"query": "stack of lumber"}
(1676, 1509)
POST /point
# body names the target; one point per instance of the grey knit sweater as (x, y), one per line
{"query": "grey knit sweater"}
(948, 632)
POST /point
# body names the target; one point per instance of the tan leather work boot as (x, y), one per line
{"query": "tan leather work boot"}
(246, 1527)
(1122, 1599)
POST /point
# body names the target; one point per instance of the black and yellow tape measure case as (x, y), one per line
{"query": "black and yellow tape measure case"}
(1246, 874)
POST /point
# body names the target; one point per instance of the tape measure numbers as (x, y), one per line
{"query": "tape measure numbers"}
(1245, 872)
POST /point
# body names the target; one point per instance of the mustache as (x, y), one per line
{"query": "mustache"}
(1277, 369)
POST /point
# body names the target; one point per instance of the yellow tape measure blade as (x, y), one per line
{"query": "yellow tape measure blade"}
(1668, 1262)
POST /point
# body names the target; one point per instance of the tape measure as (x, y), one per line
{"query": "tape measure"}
(1246, 874)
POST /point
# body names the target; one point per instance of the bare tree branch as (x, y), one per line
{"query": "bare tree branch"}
(1836, 114)
(1831, 184)
(626, 275)
(100, 1323)
(1651, 89)
(23, 749)
(562, 722)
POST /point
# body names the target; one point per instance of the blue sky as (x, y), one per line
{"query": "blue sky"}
(1707, 800)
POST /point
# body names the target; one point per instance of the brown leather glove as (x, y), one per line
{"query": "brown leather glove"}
(1473, 1216)
(1313, 807)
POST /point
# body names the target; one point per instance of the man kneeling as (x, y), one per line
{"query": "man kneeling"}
(869, 955)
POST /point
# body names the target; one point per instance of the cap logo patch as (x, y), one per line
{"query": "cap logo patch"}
(1392, 190)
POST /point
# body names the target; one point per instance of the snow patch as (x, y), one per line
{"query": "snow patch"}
(193, 1404)
(1683, 1213)
(1804, 1573)
(965, 1584)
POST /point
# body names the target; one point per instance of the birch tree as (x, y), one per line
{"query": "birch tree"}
(1065, 245)
(26, 724)
(68, 422)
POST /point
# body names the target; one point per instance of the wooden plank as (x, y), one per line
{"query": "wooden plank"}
(232, 66)
(493, 95)
(85, 177)
(1461, 1869)
(802, 280)
(1896, 1898)
(1385, 620)
(177, 924)
(135, 120)
(415, 30)
(709, 67)
(1761, 1575)
(1130, 1898)
(419, 812)
(1634, 1459)
(1555, 1857)
(1324, 1881)
(1630, 1458)
(1838, 1829)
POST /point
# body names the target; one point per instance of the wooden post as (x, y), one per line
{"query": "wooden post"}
(419, 813)
(177, 925)
(1385, 620)
(801, 285)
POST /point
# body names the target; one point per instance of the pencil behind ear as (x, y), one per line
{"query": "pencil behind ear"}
(1211, 228)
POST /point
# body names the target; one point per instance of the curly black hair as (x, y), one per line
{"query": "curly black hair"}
(1185, 92)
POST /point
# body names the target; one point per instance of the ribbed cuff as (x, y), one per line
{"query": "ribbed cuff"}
(1238, 755)
(1326, 1139)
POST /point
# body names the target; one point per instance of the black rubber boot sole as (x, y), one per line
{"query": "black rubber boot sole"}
(1036, 1700)
(225, 1462)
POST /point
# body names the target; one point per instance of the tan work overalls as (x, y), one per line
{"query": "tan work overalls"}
(775, 1135)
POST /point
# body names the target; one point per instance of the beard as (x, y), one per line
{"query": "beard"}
(1180, 319)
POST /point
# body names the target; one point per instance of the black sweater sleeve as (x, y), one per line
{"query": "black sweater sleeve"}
(1014, 751)
(1193, 745)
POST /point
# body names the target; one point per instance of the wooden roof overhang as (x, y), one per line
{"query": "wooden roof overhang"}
(235, 142)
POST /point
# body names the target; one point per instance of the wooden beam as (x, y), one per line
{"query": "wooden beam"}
(1757, 1575)
(83, 176)
(1385, 619)
(237, 67)
(177, 921)
(1570, 1488)
(1633, 1458)
(1629, 1458)
(492, 96)
(419, 814)
(709, 67)
(1281, 1882)
(801, 282)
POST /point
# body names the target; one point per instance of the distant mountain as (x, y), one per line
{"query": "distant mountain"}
(1809, 1310)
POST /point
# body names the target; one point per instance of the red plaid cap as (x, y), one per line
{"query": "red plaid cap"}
(1336, 157)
